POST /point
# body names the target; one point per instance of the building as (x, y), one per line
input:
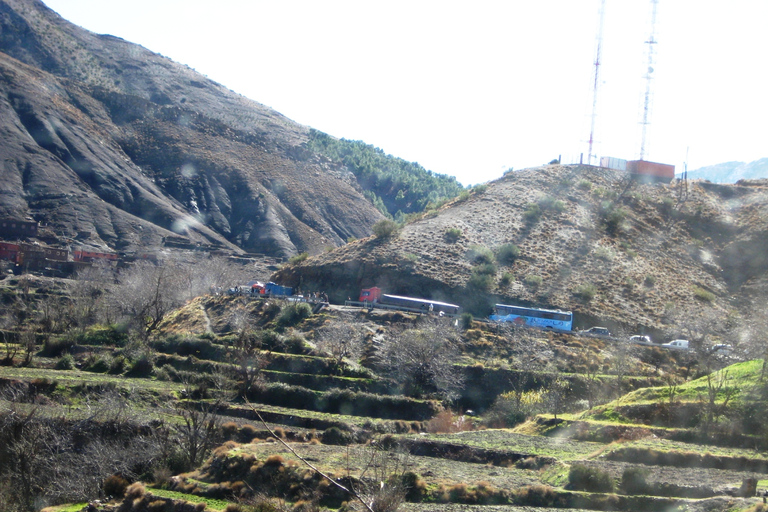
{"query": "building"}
(16, 228)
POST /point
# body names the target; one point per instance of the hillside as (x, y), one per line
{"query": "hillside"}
(590, 240)
(108, 144)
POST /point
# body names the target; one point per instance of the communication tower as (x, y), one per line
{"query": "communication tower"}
(647, 101)
(598, 49)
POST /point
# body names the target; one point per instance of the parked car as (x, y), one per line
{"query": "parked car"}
(596, 331)
(722, 349)
(676, 344)
(640, 339)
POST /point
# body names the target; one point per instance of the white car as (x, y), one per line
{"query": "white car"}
(640, 340)
(676, 344)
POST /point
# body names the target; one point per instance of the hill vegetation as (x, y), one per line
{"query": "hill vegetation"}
(395, 186)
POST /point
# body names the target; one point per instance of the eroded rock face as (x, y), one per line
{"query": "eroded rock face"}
(110, 144)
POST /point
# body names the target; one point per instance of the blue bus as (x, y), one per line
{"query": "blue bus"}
(533, 317)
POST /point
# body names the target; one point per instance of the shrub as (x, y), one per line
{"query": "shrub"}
(584, 184)
(117, 365)
(481, 282)
(142, 367)
(586, 291)
(532, 212)
(478, 254)
(506, 278)
(591, 479)
(109, 335)
(533, 281)
(551, 204)
(649, 281)
(97, 363)
(452, 235)
(66, 362)
(293, 314)
(633, 480)
(298, 258)
(385, 228)
(56, 347)
(465, 321)
(703, 295)
(479, 189)
(507, 254)
(485, 269)
(336, 436)
(115, 485)
(605, 253)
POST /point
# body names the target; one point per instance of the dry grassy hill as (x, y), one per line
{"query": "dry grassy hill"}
(590, 240)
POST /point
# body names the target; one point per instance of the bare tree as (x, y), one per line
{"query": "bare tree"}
(341, 340)
(148, 292)
(246, 350)
(422, 359)
(198, 432)
(88, 294)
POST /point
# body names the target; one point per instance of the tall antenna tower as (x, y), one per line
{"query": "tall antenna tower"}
(648, 97)
(598, 50)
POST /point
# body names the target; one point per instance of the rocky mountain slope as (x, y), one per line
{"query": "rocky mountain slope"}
(111, 145)
(590, 240)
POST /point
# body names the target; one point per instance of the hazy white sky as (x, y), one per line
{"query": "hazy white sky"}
(471, 89)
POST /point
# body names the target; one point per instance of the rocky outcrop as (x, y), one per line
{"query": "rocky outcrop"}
(110, 144)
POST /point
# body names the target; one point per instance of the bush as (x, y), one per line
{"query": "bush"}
(633, 480)
(385, 228)
(586, 291)
(590, 479)
(551, 204)
(480, 282)
(336, 436)
(478, 254)
(584, 184)
(506, 278)
(649, 281)
(465, 321)
(452, 235)
(507, 254)
(485, 269)
(105, 335)
(298, 258)
(67, 362)
(532, 212)
(115, 486)
(703, 295)
(533, 281)
(142, 367)
(293, 314)
(56, 347)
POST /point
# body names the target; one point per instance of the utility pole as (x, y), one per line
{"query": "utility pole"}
(596, 83)
(648, 97)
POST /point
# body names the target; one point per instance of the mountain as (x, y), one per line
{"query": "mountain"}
(110, 145)
(731, 172)
(590, 240)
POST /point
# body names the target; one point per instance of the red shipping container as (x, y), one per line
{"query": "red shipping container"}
(659, 171)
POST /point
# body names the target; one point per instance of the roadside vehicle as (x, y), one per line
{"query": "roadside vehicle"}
(641, 339)
(676, 345)
(598, 332)
(534, 317)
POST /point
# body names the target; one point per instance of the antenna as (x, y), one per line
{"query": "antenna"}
(651, 58)
(598, 48)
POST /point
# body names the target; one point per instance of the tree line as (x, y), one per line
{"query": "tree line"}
(396, 187)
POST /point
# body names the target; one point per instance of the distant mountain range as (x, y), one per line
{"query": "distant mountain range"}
(731, 172)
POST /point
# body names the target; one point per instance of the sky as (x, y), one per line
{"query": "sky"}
(472, 89)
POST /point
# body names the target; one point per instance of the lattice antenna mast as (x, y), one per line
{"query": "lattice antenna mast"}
(596, 84)
(648, 97)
